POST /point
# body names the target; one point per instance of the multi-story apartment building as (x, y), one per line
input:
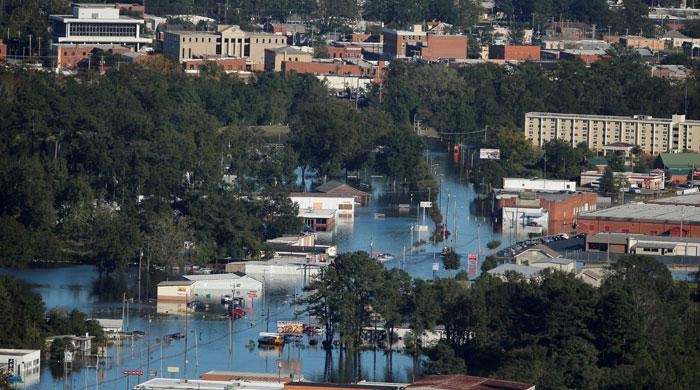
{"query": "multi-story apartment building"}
(98, 24)
(652, 135)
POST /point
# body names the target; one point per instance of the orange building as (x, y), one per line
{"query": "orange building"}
(514, 52)
(587, 56)
(3, 51)
(437, 47)
(562, 209)
(193, 65)
(325, 68)
(73, 56)
(345, 52)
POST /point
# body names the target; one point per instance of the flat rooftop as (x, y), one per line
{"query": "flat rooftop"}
(317, 213)
(621, 238)
(17, 352)
(651, 212)
(685, 200)
(167, 383)
(640, 118)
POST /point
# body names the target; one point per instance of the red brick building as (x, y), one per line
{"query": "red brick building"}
(667, 218)
(3, 51)
(73, 56)
(350, 51)
(437, 47)
(193, 65)
(563, 209)
(327, 68)
(514, 53)
(587, 56)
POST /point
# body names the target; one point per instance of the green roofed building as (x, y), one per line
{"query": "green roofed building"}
(679, 165)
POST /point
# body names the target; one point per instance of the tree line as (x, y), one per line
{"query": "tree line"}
(132, 165)
(638, 330)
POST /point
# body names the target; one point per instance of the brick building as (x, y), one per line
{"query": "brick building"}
(587, 56)
(194, 65)
(665, 217)
(73, 56)
(324, 68)
(397, 41)
(3, 51)
(350, 51)
(543, 212)
(437, 47)
(514, 52)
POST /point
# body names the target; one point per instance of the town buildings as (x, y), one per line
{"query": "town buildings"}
(3, 51)
(229, 65)
(466, 382)
(642, 244)
(227, 41)
(98, 24)
(675, 217)
(69, 56)
(173, 296)
(523, 184)
(551, 212)
(274, 58)
(429, 45)
(341, 205)
(654, 180)
(639, 42)
(652, 135)
(23, 364)
(514, 52)
(212, 287)
(681, 166)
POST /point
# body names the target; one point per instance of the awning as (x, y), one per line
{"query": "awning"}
(656, 245)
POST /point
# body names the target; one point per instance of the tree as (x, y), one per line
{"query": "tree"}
(24, 311)
(451, 260)
(607, 182)
(444, 362)
(489, 263)
(493, 244)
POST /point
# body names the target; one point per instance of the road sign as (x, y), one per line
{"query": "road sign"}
(133, 372)
(174, 370)
(252, 294)
(11, 365)
(471, 258)
(68, 356)
(436, 266)
(421, 228)
(426, 204)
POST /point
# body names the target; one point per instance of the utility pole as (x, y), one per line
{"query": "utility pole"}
(148, 348)
(187, 335)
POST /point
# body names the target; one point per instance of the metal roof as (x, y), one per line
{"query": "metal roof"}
(680, 160)
(647, 212)
(176, 283)
(524, 270)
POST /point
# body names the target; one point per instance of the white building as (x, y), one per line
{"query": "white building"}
(213, 287)
(111, 327)
(198, 384)
(344, 206)
(22, 363)
(520, 184)
(521, 220)
(98, 24)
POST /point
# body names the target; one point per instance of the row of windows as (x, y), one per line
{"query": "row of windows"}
(103, 30)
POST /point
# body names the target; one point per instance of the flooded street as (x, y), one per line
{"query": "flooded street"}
(212, 347)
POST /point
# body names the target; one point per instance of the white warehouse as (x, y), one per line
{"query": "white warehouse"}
(519, 184)
(214, 286)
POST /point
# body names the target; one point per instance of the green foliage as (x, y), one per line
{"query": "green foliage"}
(451, 260)
(607, 181)
(493, 244)
(444, 362)
(23, 312)
(489, 263)
(556, 332)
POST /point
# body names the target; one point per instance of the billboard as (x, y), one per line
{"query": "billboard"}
(490, 154)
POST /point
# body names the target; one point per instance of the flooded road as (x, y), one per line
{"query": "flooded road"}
(213, 347)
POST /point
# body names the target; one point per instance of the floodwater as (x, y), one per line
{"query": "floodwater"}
(213, 347)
